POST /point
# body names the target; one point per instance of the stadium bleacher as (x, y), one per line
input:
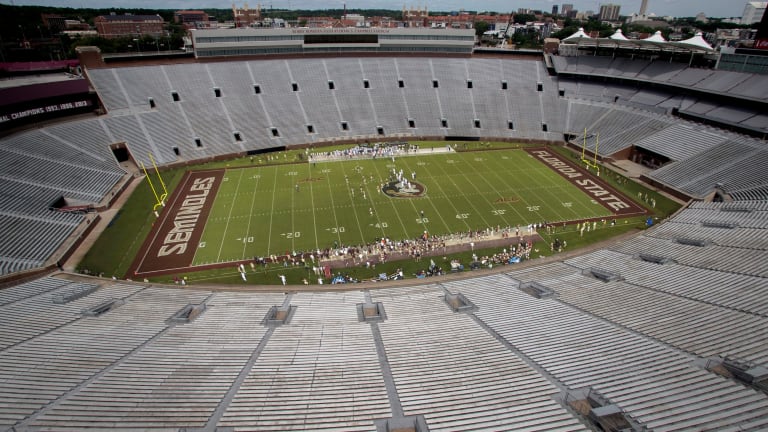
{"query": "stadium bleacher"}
(668, 80)
(687, 292)
(200, 124)
(647, 344)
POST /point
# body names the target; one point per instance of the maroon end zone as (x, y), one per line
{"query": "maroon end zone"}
(613, 200)
(173, 240)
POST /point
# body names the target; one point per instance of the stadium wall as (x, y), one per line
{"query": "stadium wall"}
(44, 101)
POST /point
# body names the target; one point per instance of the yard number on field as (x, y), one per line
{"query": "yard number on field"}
(533, 208)
(334, 230)
(291, 235)
(462, 216)
(498, 212)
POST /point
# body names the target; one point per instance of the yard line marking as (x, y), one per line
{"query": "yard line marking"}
(359, 228)
(293, 212)
(229, 216)
(272, 213)
(522, 196)
(438, 185)
(333, 207)
(312, 202)
(392, 203)
(490, 186)
(250, 215)
(372, 203)
(475, 209)
(432, 204)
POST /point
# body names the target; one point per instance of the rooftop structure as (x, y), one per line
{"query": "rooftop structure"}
(695, 44)
(114, 26)
(191, 18)
(609, 12)
(246, 17)
(643, 7)
(241, 42)
(753, 12)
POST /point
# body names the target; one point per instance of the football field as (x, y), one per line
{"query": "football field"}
(279, 209)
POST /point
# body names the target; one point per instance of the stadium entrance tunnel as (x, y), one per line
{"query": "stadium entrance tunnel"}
(461, 138)
(69, 205)
(647, 157)
(266, 150)
(599, 411)
(121, 153)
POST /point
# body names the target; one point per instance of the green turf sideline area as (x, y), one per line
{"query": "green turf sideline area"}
(117, 246)
(274, 210)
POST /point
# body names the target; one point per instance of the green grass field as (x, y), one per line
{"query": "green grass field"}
(258, 211)
(466, 187)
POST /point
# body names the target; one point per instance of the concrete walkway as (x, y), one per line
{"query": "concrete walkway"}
(106, 217)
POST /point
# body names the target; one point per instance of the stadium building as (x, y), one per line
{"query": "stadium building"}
(303, 41)
(663, 329)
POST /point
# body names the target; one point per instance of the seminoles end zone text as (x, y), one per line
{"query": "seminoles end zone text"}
(184, 224)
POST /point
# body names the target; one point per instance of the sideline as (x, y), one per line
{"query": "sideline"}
(106, 218)
(362, 286)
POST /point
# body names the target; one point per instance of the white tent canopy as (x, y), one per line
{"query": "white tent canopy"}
(618, 35)
(578, 35)
(654, 42)
(657, 37)
(696, 41)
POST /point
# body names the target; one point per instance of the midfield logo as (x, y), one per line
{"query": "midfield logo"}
(398, 189)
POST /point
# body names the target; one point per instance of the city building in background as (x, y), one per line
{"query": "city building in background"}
(246, 17)
(644, 7)
(568, 10)
(609, 12)
(191, 18)
(753, 12)
(299, 41)
(115, 26)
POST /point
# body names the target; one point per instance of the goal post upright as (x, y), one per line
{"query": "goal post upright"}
(152, 186)
(164, 195)
(597, 144)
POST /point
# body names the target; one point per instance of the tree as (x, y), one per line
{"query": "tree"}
(481, 27)
(524, 18)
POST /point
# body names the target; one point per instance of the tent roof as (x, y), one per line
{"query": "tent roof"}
(655, 42)
(657, 37)
(578, 35)
(618, 35)
(696, 41)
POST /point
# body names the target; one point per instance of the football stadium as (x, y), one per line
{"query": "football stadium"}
(386, 230)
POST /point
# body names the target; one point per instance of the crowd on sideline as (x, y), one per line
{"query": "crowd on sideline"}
(366, 151)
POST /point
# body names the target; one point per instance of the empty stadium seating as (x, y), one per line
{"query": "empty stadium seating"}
(642, 342)
(101, 354)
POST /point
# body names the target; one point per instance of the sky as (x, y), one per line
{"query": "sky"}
(677, 8)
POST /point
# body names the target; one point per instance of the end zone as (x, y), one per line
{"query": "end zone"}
(172, 242)
(613, 200)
